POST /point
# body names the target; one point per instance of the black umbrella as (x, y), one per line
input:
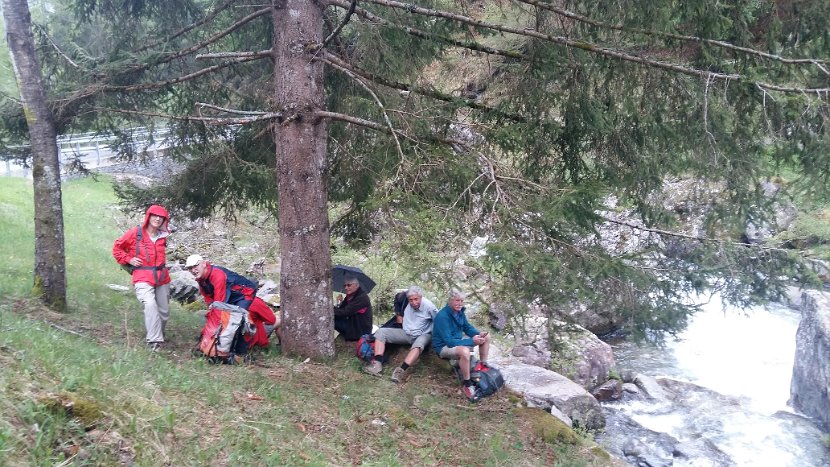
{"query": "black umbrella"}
(339, 273)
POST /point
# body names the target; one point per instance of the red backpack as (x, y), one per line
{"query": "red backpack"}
(365, 348)
(222, 339)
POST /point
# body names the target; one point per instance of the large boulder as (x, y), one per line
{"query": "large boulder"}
(810, 386)
(582, 356)
(545, 389)
(183, 287)
(579, 354)
(532, 338)
(784, 215)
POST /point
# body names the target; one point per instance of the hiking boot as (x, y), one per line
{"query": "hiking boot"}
(397, 375)
(373, 368)
(480, 367)
(471, 393)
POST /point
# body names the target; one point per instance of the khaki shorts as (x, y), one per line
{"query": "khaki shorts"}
(399, 336)
(449, 352)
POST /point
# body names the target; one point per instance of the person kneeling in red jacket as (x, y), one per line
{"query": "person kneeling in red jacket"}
(219, 284)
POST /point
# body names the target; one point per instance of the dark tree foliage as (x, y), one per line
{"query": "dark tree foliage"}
(515, 120)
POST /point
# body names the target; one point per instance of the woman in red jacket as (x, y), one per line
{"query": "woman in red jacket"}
(141, 249)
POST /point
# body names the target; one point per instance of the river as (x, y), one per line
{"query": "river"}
(733, 368)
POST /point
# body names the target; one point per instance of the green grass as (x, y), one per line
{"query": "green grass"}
(80, 388)
(17, 250)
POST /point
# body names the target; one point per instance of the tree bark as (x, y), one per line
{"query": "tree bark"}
(301, 138)
(50, 263)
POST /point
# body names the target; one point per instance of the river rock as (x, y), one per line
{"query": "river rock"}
(257, 267)
(792, 297)
(782, 219)
(498, 313)
(545, 388)
(610, 390)
(630, 388)
(599, 318)
(531, 336)
(809, 389)
(562, 417)
(583, 357)
(650, 387)
(580, 356)
(645, 455)
(183, 287)
(821, 268)
(267, 287)
(636, 444)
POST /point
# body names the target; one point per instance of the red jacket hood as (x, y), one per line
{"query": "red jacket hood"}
(159, 211)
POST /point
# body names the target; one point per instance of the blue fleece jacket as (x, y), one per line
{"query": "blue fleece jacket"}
(447, 329)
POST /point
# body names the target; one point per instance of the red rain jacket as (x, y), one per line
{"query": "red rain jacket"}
(223, 285)
(153, 271)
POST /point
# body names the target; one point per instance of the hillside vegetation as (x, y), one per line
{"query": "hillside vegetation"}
(81, 388)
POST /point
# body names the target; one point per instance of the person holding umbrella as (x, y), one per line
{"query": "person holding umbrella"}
(353, 315)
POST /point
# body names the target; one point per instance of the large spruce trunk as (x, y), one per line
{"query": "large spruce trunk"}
(305, 279)
(50, 264)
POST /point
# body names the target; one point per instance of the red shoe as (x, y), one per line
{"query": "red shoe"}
(471, 393)
(481, 367)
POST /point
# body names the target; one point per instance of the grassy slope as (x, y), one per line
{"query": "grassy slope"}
(81, 385)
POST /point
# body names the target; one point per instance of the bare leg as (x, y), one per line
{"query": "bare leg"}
(380, 347)
(462, 353)
(412, 356)
(484, 349)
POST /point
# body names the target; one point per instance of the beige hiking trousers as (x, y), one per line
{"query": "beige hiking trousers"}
(156, 301)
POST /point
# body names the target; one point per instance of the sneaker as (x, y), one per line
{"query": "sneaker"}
(480, 367)
(154, 346)
(373, 368)
(471, 393)
(397, 375)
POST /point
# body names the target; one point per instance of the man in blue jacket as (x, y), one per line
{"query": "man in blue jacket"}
(448, 330)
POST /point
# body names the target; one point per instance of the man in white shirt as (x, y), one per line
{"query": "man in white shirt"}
(416, 331)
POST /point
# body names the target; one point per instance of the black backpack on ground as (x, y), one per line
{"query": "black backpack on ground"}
(489, 382)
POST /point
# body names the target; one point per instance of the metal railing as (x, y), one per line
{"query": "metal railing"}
(95, 149)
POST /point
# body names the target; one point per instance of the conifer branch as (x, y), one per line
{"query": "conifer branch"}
(378, 127)
(102, 87)
(211, 39)
(353, 120)
(188, 28)
(471, 45)
(11, 98)
(697, 238)
(667, 35)
(596, 49)
(184, 52)
(60, 52)
(336, 31)
(377, 100)
(327, 55)
(190, 118)
(260, 54)
(201, 105)
(337, 40)
(179, 79)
